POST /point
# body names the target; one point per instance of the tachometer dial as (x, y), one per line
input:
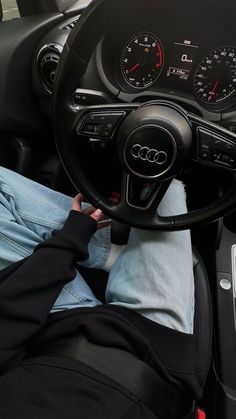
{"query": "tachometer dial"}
(215, 77)
(142, 60)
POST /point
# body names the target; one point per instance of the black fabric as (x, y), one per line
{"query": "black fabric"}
(29, 288)
(170, 352)
(124, 368)
(57, 388)
(46, 386)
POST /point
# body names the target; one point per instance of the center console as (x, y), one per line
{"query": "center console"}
(225, 322)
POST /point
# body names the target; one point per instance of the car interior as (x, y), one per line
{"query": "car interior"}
(117, 98)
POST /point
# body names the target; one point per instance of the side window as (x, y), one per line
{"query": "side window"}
(10, 9)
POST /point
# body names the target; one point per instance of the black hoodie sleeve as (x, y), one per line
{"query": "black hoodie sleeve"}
(29, 288)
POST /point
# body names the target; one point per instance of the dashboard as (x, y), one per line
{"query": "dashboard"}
(182, 51)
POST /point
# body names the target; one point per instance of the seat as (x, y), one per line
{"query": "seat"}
(203, 309)
(97, 279)
(203, 316)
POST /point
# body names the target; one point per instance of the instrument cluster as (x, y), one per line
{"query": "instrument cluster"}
(176, 59)
(213, 82)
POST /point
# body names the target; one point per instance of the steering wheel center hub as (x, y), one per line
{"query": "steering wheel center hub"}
(149, 151)
(153, 142)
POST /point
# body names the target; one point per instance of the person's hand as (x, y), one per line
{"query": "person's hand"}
(91, 211)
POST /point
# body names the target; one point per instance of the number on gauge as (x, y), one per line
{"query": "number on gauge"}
(215, 77)
(142, 60)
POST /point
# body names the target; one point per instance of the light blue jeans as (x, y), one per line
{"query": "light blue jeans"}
(153, 274)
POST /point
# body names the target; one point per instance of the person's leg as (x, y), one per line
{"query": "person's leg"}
(28, 214)
(154, 275)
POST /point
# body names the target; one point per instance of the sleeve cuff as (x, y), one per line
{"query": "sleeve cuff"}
(79, 225)
(74, 236)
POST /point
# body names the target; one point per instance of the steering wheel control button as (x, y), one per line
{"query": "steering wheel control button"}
(150, 151)
(100, 125)
(205, 149)
(216, 149)
(111, 124)
(91, 129)
(224, 152)
(115, 117)
(107, 130)
(205, 155)
(204, 136)
(224, 145)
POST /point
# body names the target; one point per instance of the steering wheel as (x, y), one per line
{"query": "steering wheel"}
(154, 141)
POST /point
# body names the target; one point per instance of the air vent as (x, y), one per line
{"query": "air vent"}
(47, 62)
(69, 24)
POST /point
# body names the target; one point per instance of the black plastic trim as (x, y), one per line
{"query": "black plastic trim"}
(19, 38)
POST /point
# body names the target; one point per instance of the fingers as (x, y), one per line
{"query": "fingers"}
(96, 214)
(91, 211)
(76, 203)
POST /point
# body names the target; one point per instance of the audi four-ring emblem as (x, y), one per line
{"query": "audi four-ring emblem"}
(150, 155)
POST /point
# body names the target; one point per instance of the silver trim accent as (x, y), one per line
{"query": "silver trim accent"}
(151, 155)
(136, 206)
(174, 152)
(233, 260)
(225, 284)
(66, 25)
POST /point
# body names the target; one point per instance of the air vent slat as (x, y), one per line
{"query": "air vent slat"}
(47, 62)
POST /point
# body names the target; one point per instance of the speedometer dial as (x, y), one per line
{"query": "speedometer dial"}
(142, 60)
(215, 77)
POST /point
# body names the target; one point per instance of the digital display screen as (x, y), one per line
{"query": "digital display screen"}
(182, 59)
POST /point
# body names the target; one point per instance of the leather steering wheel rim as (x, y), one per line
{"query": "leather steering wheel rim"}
(72, 66)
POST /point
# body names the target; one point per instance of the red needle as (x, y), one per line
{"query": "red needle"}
(214, 89)
(133, 68)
